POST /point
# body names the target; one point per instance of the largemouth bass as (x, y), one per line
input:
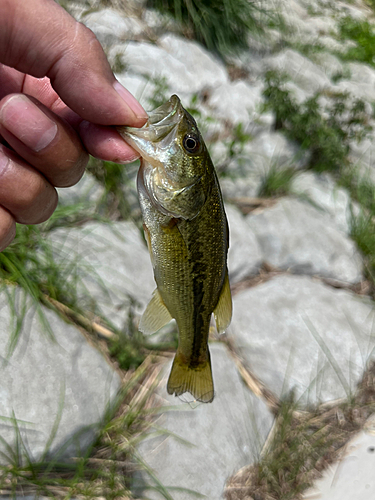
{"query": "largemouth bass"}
(187, 235)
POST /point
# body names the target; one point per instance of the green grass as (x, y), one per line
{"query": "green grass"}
(277, 182)
(326, 132)
(29, 263)
(106, 469)
(363, 233)
(221, 25)
(363, 34)
(302, 444)
(117, 180)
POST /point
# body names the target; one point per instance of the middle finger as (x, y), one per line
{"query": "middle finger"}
(43, 139)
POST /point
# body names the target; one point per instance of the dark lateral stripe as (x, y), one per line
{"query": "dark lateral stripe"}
(199, 275)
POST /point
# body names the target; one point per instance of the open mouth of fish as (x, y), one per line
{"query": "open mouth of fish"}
(161, 122)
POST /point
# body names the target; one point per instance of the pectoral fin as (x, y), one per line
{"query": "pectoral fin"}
(155, 316)
(223, 309)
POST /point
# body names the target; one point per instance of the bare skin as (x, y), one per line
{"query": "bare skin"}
(57, 98)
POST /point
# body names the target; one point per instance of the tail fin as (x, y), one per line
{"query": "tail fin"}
(198, 380)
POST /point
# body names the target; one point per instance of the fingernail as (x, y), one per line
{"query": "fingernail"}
(130, 100)
(27, 122)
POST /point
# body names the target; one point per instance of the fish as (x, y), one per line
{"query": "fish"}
(187, 234)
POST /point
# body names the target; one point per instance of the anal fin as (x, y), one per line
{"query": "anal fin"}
(155, 316)
(223, 309)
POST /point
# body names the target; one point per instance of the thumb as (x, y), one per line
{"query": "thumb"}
(40, 38)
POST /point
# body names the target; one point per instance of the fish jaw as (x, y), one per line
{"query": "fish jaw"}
(154, 140)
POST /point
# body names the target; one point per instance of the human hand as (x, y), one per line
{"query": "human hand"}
(57, 97)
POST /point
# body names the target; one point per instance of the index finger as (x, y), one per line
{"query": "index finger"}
(40, 38)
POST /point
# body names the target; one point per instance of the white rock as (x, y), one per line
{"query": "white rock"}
(362, 156)
(245, 173)
(307, 75)
(273, 149)
(140, 87)
(361, 73)
(88, 191)
(157, 62)
(110, 27)
(352, 476)
(54, 376)
(112, 264)
(297, 333)
(202, 65)
(330, 64)
(296, 236)
(239, 186)
(244, 257)
(321, 190)
(224, 435)
(236, 101)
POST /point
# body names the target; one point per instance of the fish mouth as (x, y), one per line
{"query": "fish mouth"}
(161, 122)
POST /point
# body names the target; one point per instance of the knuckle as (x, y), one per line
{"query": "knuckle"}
(72, 171)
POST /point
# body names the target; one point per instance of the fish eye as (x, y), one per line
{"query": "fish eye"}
(191, 143)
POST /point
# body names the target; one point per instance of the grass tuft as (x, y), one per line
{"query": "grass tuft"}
(277, 182)
(221, 25)
(363, 34)
(302, 444)
(324, 130)
(106, 470)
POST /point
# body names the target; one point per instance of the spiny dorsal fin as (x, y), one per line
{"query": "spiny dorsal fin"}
(198, 380)
(223, 309)
(155, 316)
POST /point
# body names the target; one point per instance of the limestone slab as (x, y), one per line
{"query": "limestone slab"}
(110, 26)
(53, 377)
(352, 477)
(307, 75)
(170, 61)
(244, 256)
(322, 191)
(296, 236)
(297, 333)
(112, 265)
(224, 435)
